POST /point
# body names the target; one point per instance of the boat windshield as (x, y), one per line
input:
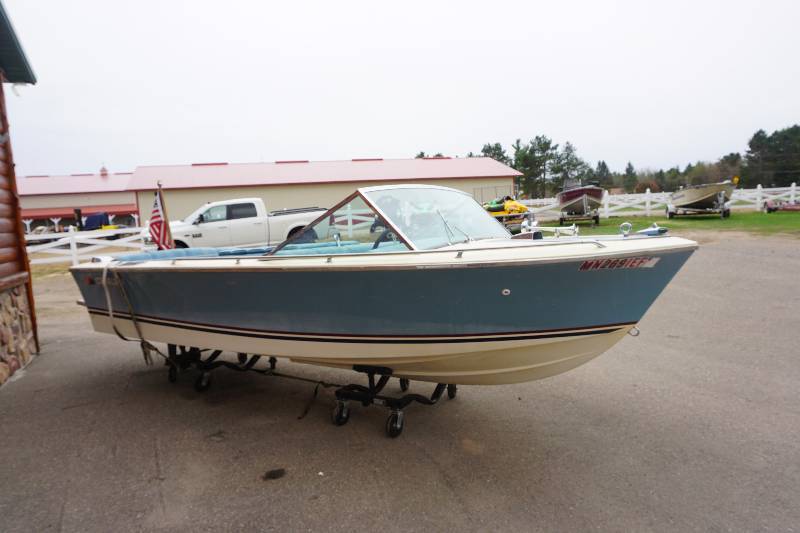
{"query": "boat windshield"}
(395, 219)
(432, 217)
(352, 227)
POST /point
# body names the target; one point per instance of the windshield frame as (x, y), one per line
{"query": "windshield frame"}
(335, 208)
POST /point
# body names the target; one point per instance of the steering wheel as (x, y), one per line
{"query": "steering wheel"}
(383, 237)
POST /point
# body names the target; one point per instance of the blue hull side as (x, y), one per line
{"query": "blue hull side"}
(412, 303)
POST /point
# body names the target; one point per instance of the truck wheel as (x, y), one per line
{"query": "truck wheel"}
(309, 236)
(180, 244)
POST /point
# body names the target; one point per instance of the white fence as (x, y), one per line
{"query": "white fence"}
(75, 247)
(353, 219)
(651, 203)
(80, 246)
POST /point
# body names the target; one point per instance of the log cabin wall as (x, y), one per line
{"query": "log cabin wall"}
(18, 334)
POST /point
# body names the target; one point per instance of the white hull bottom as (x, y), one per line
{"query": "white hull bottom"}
(484, 362)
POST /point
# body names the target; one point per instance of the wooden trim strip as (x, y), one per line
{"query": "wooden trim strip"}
(9, 269)
(14, 280)
(8, 239)
(9, 254)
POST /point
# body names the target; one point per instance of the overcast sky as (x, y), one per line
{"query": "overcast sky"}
(156, 82)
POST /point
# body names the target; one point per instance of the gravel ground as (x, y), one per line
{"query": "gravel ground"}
(692, 426)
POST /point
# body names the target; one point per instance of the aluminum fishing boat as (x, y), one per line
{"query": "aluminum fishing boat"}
(419, 280)
(699, 199)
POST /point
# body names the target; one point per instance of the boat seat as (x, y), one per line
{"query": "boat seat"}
(306, 245)
(356, 248)
(165, 255)
(258, 250)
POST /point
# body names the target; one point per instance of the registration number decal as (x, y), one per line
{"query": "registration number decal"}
(626, 262)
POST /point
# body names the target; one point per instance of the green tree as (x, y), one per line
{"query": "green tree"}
(660, 178)
(733, 159)
(496, 152)
(567, 166)
(534, 160)
(698, 173)
(603, 175)
(523, 162)
(774, 159)
(674, 178)
(629, 179)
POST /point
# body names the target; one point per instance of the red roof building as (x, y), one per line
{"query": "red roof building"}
(55, 197)
(208, 175)
(282, 184)
(288, 184)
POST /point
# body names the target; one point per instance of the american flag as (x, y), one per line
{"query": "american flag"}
(159, 225)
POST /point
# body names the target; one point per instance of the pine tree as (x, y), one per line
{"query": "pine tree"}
(630, 178)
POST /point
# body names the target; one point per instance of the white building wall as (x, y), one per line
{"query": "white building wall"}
(77, 200)
(181, 202)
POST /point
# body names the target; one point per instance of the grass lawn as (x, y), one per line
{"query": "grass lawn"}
(749, 221)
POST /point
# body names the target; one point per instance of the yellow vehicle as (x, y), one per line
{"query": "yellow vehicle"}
(508, 212)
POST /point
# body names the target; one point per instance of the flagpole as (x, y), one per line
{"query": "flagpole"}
(165, 216)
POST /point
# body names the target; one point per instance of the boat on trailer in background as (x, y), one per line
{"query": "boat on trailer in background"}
(579, 202)
(771, 206)
(708, 198)
(437, 291)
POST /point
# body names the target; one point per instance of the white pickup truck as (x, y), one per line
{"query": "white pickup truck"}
(238, 223)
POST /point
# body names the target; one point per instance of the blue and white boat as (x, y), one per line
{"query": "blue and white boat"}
(417, 279)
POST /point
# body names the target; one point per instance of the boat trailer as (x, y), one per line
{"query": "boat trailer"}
(594, 216)
(182, 358)
(721, 208)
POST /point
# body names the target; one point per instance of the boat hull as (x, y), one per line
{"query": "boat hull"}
(434, 320)
(468, 363)
(702, 197)
(580, 200)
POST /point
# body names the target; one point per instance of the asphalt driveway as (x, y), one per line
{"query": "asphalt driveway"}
(693, 425)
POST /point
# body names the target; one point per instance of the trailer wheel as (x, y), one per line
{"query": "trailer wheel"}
(203, 382)
(394, 424)
(452, 390)
(341, 413)
(670, 214)
(726, 213)
(596, 220)
(561, 221)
